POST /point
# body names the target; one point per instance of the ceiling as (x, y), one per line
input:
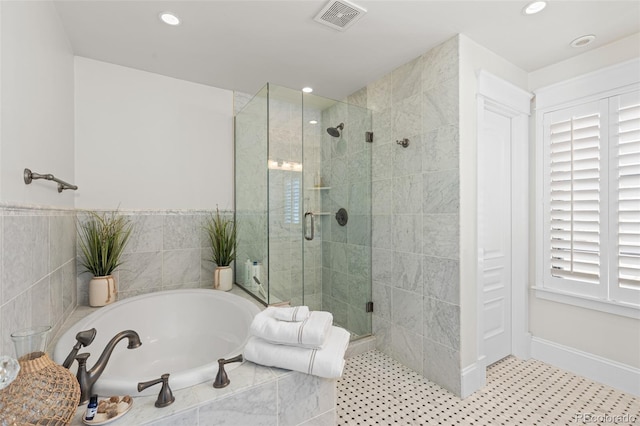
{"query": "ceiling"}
(241, 45)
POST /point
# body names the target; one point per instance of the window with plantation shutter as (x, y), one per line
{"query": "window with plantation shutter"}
(625, 185)
(575, 198)
(592, 199)
(587, 218)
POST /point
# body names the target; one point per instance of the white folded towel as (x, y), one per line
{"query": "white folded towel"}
(310, 333)
(291, 314)
(327, 362)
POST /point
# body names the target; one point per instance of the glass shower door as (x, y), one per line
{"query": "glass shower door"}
(303, 204)
(337, 205)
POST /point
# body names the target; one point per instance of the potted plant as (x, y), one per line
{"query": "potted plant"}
(102, 239)
(222, 233)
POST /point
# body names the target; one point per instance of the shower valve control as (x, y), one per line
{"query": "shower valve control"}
(403, 142)
(342, 217)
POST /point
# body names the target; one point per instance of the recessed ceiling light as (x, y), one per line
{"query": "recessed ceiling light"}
(307, 89)
(583, 40)
(534, 7)
(313, 122)
(169, 18)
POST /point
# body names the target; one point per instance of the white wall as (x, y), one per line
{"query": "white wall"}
(602, 334)
(36, 105)
(473, 57)
(610, 54)
(146, 141)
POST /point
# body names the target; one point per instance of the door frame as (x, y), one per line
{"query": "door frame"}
(506, 99)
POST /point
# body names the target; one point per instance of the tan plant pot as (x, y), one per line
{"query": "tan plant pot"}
(102, 291)
(223, 278)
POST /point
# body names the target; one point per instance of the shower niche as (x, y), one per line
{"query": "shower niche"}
(299, 160)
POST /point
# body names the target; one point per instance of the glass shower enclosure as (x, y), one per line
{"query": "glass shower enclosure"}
(303, 204)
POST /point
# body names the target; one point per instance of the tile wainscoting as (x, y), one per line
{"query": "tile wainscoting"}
(37, 269)
(168, 250)
(41, 281)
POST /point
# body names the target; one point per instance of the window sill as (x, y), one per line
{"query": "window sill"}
(615, 308)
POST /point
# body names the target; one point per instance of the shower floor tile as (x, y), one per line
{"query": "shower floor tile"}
(377, 390)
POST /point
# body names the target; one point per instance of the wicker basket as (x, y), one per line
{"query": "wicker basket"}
(44, 393)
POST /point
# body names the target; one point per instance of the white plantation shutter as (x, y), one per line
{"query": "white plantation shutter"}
(592, 199)
(575, 179)
(292, 199)
(625, 206)
(588, 215)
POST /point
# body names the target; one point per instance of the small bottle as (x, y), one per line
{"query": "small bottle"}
(92, 408)
(248, 269)
(255, 273)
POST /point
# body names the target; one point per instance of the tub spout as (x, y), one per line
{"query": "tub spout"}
(87, 378)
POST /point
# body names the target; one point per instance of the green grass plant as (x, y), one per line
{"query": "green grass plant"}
(102, 241)
(222, 232)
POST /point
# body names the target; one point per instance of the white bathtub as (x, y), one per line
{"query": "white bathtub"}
(183, 333)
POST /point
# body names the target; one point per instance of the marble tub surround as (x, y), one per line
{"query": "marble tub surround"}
(251, 397)
(168, 250)
(256, 396)
(37, 269)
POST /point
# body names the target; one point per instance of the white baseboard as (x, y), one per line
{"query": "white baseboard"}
(603, 370)
(474, 377)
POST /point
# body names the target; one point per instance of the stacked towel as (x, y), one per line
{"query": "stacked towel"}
(296, 339)
(292, 314)
(327, 362)
(308, 333)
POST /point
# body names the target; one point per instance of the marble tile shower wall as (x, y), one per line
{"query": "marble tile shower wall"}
(168, 250)
(416, 215)
(346, 250)
(37, 270)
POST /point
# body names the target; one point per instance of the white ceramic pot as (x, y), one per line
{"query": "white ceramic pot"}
(102, 291)
(223, 278)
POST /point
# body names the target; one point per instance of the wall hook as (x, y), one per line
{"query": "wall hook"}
(404, 142)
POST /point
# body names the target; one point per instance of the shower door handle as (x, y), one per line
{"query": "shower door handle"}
(313, 226)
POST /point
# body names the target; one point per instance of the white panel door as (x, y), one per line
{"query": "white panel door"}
(494, 233)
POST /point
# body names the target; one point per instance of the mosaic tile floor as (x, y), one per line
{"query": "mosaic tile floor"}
(376, 390)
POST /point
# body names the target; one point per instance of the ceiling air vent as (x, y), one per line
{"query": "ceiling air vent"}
(340, 14)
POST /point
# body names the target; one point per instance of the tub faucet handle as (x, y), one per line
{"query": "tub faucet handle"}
(165, 397)
(222, 379)
(83, 338)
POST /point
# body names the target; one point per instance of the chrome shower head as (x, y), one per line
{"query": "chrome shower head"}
(335, 131)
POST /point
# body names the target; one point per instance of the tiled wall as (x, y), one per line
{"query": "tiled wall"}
(37, 270)
(416, 197)
(168, 250)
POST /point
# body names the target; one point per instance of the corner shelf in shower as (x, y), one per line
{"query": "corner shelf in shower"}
(319, 188)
